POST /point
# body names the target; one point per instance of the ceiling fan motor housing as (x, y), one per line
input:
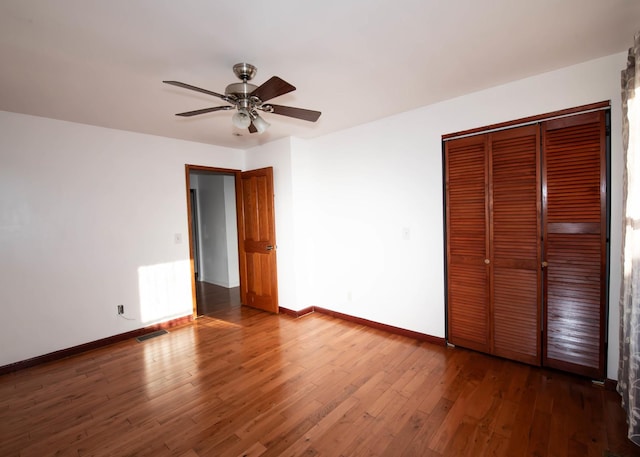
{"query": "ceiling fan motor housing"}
(240, 90)
(245, 71)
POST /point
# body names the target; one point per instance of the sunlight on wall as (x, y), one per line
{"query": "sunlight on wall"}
(165, 291)
(633, 190)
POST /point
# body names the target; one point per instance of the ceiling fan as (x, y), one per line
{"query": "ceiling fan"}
(247, 99)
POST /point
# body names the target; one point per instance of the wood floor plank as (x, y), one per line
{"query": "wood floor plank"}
(462, 441)
(404, 435)
(306, 444)
(539, 433)
(238, 381)
(189, 453)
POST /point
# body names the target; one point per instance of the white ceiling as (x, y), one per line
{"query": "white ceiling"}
(102, 62)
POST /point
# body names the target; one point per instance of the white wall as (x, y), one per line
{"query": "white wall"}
(213, 230)
(217, 228)
(87, 221)
(360, 193)
(231, 230)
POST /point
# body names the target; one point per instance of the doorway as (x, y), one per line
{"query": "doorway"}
(246, 254)
(213, 234)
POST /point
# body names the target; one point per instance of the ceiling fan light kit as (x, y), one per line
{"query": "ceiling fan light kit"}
(241, 119)
(247, 99)
(260, 124)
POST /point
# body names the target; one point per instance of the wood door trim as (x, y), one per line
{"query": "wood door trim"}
(529, 120)
(240, 224)
(188, 168)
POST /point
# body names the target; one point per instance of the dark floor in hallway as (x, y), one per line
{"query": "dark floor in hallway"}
(211, 298)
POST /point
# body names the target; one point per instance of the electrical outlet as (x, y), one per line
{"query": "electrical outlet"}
(120, 309)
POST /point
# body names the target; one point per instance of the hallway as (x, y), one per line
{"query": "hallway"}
(211, 298)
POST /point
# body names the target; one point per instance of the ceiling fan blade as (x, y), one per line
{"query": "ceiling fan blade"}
(197, 89)
(298, 113)
(273, 88)
(252, 128)
(204, 110)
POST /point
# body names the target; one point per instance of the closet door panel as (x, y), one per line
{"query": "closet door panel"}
(516, 317)
(515, 249)
(573, 297)
(467, 245)
(575, 246)
(468, 314)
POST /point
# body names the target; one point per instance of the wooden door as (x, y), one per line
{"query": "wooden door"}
(467, 243)
(493, 249)
(574, 211)
(257, 240)
(515, 283)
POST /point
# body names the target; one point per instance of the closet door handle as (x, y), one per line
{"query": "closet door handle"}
(487, 261)
(545, 264)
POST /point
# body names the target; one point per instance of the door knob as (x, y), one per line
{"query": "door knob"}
(544, 264)
(269, 248)
(487, 261)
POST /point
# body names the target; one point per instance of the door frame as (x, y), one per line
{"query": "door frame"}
(195, 229)
(228, 171)
(604, 106)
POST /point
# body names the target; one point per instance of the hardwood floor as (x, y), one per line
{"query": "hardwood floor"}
(211, 298)
(240, 382)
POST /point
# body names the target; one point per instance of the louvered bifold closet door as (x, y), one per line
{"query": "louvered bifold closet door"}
(467, 243)
(515, 246)
(574, 197)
